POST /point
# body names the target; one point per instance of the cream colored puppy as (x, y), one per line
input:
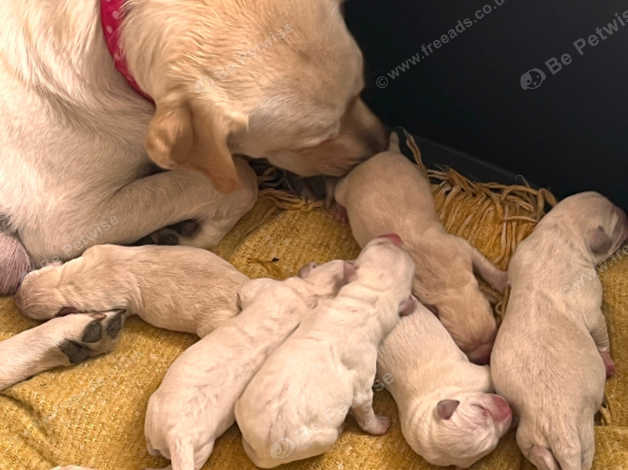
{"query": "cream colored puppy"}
(177, 288)
(387, 193)
(194, 404)
(263, 78)
(447, 413)
(295, 406)
(173, 287)
(552, 353)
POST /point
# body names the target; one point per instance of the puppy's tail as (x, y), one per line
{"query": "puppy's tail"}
(182, 455)
(14, 264)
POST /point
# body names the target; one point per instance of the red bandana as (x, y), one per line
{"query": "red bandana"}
(112, 14)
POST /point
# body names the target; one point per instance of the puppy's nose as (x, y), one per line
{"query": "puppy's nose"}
(500, 409)
(482, 354)
(396, 239)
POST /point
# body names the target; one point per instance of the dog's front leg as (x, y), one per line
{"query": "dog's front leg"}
(59, 342)
(139, 209)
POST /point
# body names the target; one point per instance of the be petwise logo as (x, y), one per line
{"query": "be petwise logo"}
(536, 76)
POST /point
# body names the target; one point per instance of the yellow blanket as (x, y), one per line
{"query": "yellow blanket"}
(93, 414)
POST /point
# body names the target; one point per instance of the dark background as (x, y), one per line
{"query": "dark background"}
(569, 135)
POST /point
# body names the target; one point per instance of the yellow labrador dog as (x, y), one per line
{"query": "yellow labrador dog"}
(264, 78)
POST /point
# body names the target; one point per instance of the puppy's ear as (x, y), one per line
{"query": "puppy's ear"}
(446, 408)
(599, 241)
(306, 270)
(394, 142)
(407, 306)
(349, 270)
(189, 134)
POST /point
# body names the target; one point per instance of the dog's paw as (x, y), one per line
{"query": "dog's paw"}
(172, 234)
(94, 338)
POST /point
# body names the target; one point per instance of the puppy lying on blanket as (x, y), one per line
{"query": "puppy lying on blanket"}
(389, 194)
(173, 287)
(295, 406)
(447, 415)
(551, 355)
(194, 404)
(177, 288)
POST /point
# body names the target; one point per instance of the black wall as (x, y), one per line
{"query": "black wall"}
(570, 134)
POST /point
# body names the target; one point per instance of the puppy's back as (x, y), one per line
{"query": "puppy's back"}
(387, 193)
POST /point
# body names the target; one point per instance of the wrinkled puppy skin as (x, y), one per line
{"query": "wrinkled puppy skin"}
(290, 411)
(142, 281)
(14, 264)
(552, 353)
(194, 404)
(447, 413)
(387, 193)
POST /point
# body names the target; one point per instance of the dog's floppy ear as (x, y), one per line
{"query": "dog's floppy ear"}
(189, 134)
(599, 241)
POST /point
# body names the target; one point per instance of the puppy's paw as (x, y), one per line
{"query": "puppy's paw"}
(91, 335)
(380, 426)
(609, 364)
(339, 213)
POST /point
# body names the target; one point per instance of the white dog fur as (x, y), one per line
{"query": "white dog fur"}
(552, 348)
(387, 193)
(194, 404)
(295, 406)
(446, 412)
(178, 288)
(265, 78)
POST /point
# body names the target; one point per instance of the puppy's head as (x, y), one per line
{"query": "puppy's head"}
(468, 317)
(602, 225)
(38, 297)
(265, 78)
(325, 280)
(384, 265)
(463, 428)
(448, 287)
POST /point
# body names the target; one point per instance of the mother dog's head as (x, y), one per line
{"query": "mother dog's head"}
(279, 79)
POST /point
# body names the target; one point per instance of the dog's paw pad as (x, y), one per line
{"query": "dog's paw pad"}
(171, 235)
(98, 336)
(115, 325)
(75, 352)
(92, 332)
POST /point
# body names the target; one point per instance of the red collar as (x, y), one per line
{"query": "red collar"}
(111, 15)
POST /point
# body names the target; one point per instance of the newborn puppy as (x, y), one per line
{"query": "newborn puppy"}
(551, 355)
(173, 287)
(194, 404)
(295, 406)
(447, 415)
(389, 194)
